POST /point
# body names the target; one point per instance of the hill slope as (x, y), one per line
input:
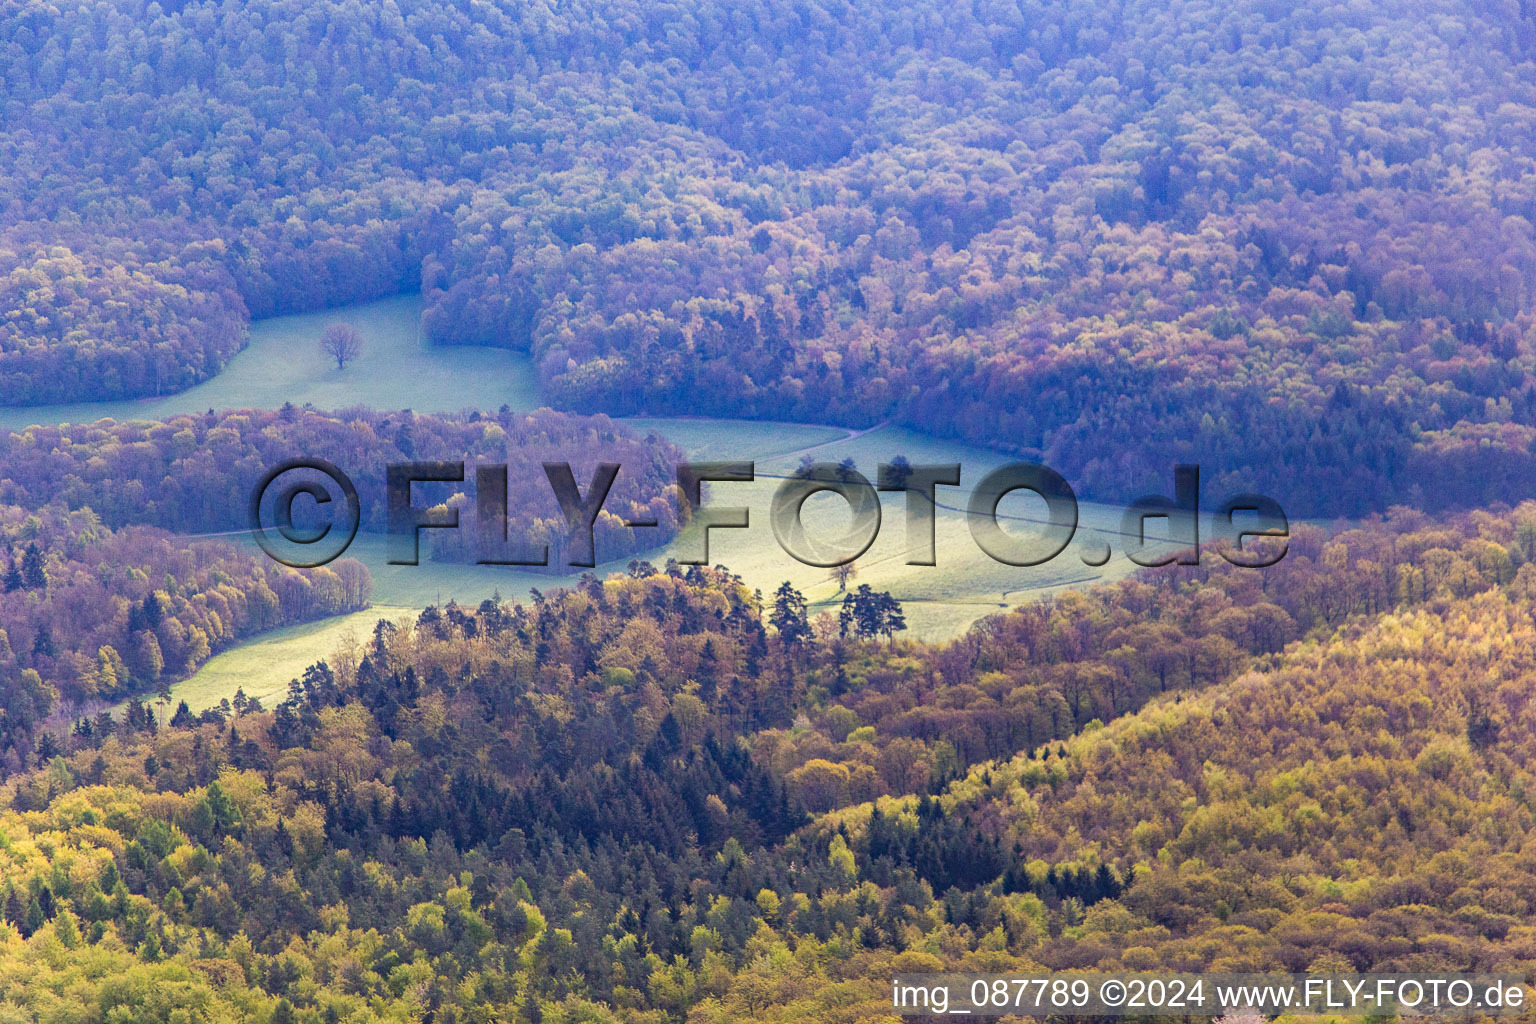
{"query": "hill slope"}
(595, 807)
(1041, 226)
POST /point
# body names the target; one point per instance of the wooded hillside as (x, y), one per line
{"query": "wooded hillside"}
(582, 810)
(1290, 242)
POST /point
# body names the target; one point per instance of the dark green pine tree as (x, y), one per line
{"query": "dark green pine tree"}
(15, 908)
(868, 611)
(47, 749)
(35, 918)
(183, 719)
(152, 612)
(32, 573)
(789, 616)
(892, 619)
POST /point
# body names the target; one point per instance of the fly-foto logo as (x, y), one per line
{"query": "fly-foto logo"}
(332, 507)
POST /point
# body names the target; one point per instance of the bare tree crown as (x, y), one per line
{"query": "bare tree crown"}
(342, 342)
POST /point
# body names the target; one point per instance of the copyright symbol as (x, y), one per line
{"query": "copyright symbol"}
(1112, 992)
(336, 534)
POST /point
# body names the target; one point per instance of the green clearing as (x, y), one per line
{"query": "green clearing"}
(283, 363)
(726, 440)
(263, 667)
(941, 601)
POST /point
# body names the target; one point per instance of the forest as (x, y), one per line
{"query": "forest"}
(620, 802)
(1292, 243)
(108, 593)
(195, 474)
(92, 615)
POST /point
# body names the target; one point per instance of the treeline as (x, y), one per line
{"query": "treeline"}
(93, 615)
(196, 473)
(112, 319)
(564, 811)
(1027, 225)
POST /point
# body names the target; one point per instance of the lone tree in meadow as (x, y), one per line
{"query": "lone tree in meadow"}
(341, 342)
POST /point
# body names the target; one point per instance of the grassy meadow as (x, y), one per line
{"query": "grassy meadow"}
(940, 600)
(283, 363)
(397, 369)
(262, 667)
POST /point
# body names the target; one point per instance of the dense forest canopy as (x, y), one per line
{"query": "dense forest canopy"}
(91, 615)
(196, 473)
(621, 802)
(99, 602)
(1291, 242)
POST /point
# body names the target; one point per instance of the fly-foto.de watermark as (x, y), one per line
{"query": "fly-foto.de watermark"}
(330, 501)
(1093, 994)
